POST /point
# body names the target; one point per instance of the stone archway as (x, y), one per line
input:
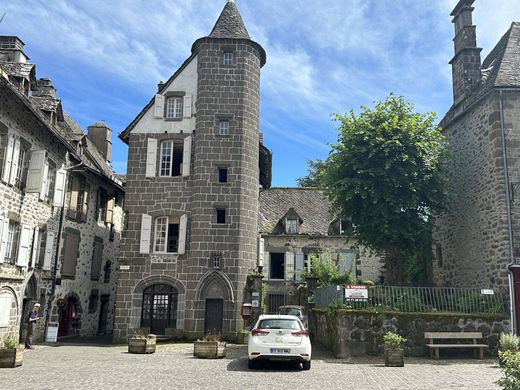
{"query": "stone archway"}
(9, 317)
(69, 314)
(30, 297)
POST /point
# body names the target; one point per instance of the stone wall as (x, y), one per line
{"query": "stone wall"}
(354, 333)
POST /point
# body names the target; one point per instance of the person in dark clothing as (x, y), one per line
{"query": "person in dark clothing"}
(31, 321)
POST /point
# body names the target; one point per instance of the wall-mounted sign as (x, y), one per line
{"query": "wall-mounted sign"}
(255, 294)
(487, 291)
(356, 293)
(124, 267)
(254, 302)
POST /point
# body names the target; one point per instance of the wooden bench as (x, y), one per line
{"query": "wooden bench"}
(475, 336)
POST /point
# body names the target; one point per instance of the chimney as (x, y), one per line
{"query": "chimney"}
(11, 49)
(101, 135)
(160, 86)
(466, 62)
(44, 87)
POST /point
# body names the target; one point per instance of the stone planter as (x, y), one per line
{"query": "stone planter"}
(139, 344)
(11, 357)
(394, 357)
(209, 349)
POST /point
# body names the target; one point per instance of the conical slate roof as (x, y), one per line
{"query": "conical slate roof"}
(230, 24)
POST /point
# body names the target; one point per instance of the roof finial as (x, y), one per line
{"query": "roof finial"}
(230, 1)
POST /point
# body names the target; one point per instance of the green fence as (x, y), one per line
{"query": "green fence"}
(418, 299)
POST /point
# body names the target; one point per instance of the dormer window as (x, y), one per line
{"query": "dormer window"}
(291, 225)
(174, 107)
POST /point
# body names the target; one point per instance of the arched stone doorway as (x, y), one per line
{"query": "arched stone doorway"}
(69, 316)
(30, 297)
(159, 310)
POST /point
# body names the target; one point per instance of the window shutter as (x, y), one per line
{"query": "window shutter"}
(74, 195)
(84, 207)
(151, 157)
(23, 246)
(35, 174)
(299, 265)
(109, 217)
(8, 159)
(14, 163)
(43, 187)
(187, 106)
(71, 255)
(146, 231)
(289, 266)
(97, 259)
(49, 246)
(159, 106)
(347, 262)
(267, 260)
(2, 241)
(186, 157)
(59, 188)
(183, 224)
(36, 243)
(261, 246)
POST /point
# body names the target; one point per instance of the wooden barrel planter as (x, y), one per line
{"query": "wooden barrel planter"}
(394, 357)
(140, 344)
(209, 349)
(11, 357)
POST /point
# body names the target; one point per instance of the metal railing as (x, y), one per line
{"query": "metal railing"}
(418, 299)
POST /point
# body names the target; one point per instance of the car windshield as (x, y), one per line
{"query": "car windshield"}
(274, 323)
(291, 311)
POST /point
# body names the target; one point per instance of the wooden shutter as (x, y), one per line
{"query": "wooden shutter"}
(183, 224)
(109, 217)
(347, 263)
(261, 246)
(71, 255)
(24, 246)
(75, 188)
(186, 157)
(8, 159)
(299, 266)
(43, 187)
(146, 231)
(35, 173)
(187, 106)
(158, 111)
(35, 246)
(289, 266)
(2, 231)
(97, 260)
(267, 260)
(151, 157)
(14, 163)
(49, 246)
(59, 188)
(84, 207)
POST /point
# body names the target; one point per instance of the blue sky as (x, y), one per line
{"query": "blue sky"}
(323, 57)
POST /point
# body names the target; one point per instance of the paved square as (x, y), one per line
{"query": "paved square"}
(173, 367)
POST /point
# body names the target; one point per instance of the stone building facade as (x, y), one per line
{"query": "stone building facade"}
(295, 223)
(477, 240)
(192, 191)
(60, 208)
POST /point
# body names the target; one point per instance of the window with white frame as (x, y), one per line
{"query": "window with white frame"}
(166, 239)
(6, 302)
(291, 225)
(172, 153)
(228, 58)
(223, 127)
(12, 241)
(174, 107)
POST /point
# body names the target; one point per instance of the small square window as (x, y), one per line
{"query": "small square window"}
(223, 127)
(228, 58)
(216, 261)
(221, 215)
(222, 175)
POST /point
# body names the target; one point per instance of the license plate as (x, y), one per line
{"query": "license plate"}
(280, 350)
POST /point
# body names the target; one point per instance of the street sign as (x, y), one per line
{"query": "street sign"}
(356, 293)
(487, 291)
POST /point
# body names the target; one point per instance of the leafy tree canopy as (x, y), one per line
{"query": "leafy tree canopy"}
(386, 173)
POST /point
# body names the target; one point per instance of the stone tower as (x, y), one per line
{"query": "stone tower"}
(193, 188)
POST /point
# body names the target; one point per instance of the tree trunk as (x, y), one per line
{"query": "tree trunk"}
(393, 273)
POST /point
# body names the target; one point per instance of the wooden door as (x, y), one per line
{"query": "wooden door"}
(103, 315)
(214, 316)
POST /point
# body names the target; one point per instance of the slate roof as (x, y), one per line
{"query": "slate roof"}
(18, 69)
(310, 204)
(230, 24)
(45, 103)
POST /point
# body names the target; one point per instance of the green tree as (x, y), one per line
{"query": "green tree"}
(387, 174)
(310, 179)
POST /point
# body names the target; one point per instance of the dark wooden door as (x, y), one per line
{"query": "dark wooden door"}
(214, 316)
(103, 315)
(67, 314)
(516, 282)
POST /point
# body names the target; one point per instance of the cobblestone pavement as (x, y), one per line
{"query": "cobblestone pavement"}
(173, 367)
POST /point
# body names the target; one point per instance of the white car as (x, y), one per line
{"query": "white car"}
(279, 337)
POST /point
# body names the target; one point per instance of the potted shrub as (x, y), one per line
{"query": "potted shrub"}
(140, 342)
(210, 347)
(394, 353)
(508, 342)
(11, 354)
(511, 366)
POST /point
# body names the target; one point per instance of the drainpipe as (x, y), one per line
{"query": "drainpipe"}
(509, 219)
(58, 245)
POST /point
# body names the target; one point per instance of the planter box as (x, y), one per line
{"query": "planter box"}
(11, 357)
(209, 349)
(142, 345)
(394, 357)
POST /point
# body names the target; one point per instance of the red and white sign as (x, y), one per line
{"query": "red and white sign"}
(356, 292)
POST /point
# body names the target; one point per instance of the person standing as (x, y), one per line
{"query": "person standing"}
(31, 321)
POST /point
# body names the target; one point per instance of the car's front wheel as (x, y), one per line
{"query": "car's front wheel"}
(251, 364)
(306, 365)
